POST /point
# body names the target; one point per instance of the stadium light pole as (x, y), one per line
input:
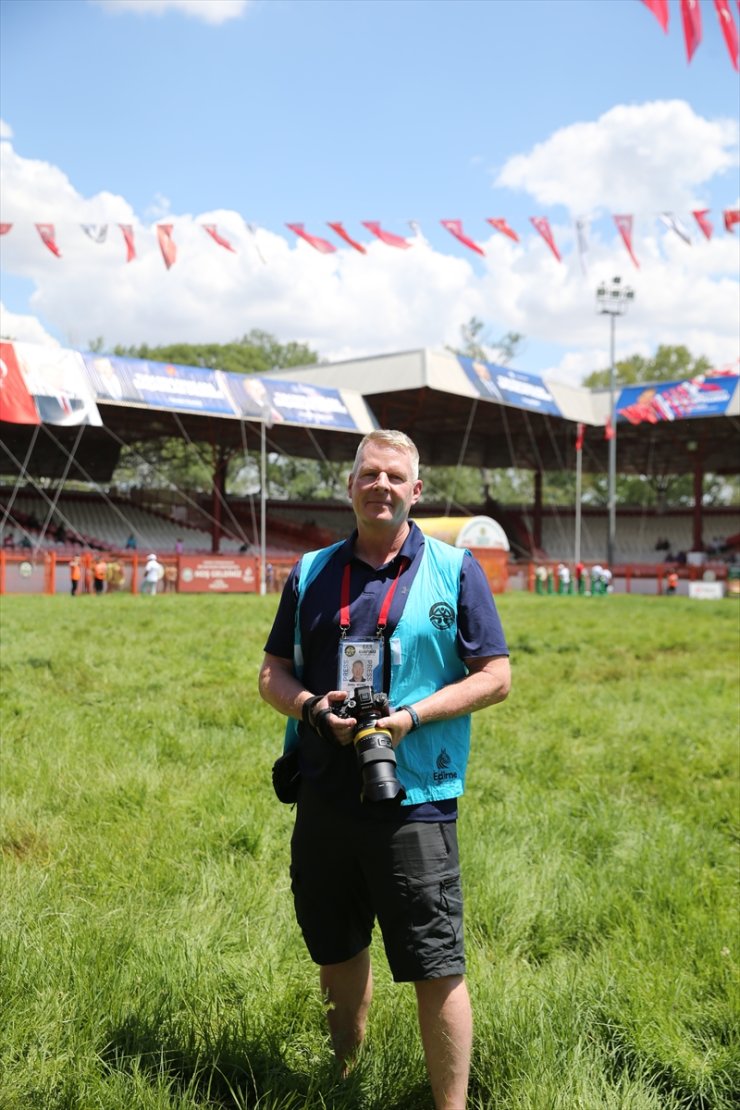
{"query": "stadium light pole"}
(612, 301)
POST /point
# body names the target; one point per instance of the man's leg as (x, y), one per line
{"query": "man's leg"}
(446, 1024)
(347, 988)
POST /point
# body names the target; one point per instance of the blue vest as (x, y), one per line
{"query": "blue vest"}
(433, 759)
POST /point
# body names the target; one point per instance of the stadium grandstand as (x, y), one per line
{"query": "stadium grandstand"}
(67, 415)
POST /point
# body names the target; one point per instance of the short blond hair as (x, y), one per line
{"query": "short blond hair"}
(389, 437)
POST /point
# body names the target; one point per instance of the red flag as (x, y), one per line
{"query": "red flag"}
(700, 215)
(386, 237)
(166, 244)
(503, 227)
(16, 403)
(455, 228)
(46, 231)
(211, 229)
(128, 237)
(624, 224)
(347, 238)
(5, 228)
(659, 8)
(322, 245)
(729, 30)
(580, 435)
(609, 432)
(732, 217)
(543, 226)
(691, 16)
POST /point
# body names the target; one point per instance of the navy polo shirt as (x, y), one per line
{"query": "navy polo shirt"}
(479, 634)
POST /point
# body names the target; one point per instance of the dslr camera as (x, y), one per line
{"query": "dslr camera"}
(376, 758)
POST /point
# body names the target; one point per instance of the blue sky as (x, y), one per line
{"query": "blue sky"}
(317, 110)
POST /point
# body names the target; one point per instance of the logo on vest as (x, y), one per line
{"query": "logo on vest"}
(443, 762)
(441, 615)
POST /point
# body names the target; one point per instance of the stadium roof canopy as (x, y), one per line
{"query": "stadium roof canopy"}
(456, 409)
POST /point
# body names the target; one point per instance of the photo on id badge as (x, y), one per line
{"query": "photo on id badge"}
(359, 664)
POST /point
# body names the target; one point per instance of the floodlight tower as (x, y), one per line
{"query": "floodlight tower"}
(612, 300)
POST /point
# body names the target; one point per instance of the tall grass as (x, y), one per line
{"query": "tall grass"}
(149, 953)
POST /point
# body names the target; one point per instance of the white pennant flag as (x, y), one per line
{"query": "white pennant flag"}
(96, 232)
(251, 228)
(674, 224)
(582, 236)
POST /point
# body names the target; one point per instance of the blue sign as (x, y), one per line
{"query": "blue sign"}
(273, 401)
(158, 385)
(509, 387)
(700, 396)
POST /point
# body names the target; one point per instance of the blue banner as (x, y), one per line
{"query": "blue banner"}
(158, 385)
(509, 387)
(276, 402)
(700, 396)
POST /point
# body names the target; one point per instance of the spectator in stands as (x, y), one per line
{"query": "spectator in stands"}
(100, 574)
(178, 546)
(25, 540)
(131, 542)
(9, 540)
(153, 571)
(60, 533)
(75, 574)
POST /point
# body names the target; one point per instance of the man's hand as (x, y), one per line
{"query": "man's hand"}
(340, 730)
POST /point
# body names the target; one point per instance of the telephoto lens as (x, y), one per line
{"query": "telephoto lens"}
(376, 758)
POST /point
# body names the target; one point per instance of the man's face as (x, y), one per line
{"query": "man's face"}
(382, 489)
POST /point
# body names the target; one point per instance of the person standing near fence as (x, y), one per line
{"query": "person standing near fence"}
(153, 571)
(422, 614)
(75, 574)
(100, 574)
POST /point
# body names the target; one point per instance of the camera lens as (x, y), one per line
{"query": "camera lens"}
(376, 760)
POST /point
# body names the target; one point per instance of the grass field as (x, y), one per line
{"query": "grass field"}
(149, 953)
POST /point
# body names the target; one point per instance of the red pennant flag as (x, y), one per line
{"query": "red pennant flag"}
(16, 403)
(624, 225)
(322, 245)
(5, 228)
(543, 226)
(128, 237)
(211, 229)
(729, 30)
(700, 215)
(580, 435)
(659, 8)
(609, 432)
(166, 244)
(386, 237)
(691, 16)
(732, 217)
(455, 228)
(347, 238)
(46, 231)
(503, 227)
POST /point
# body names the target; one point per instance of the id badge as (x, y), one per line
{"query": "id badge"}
(360, 664)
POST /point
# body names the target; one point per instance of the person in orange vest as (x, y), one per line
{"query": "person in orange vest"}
(672, 581)
(100, 573)
(75, 574)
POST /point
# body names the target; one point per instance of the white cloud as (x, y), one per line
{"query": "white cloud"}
(24, 329)
(348, 304)
(635, 158)
(214, 12)
(6, 131)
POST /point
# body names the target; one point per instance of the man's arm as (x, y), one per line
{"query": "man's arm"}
(283, 691)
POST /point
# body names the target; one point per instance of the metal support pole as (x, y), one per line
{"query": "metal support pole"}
(612, 498)
(579, 472)
(263, 509)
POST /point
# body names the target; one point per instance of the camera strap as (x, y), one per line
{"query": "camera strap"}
(361, 661)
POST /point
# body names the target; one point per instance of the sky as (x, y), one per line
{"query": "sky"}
(258, 113)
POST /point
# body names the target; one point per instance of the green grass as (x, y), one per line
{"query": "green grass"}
(149, 953)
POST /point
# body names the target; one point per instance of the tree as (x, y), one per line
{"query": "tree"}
(668, 364)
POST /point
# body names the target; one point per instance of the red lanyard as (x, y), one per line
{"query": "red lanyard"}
(403, 562)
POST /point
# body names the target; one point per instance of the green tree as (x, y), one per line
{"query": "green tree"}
(668, 364)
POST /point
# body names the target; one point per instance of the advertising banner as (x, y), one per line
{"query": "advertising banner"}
(16, 403)
(136, 381)
(278, 402)
(701, 396)
(221, 574)
(56, 380)
(509, 387)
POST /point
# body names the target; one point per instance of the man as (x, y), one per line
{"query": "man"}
(421, 614)
(153, 571)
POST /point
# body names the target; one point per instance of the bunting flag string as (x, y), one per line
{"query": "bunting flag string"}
(729, 30)
(222, 242)
(386, 237)
(128, 237)
(624, 226)
(542, 224)
(46, 231)
(659, 8)
(97, 233)
(700, 215)
(455, 228)
(338, 228)
(691, 18)
(692, 24)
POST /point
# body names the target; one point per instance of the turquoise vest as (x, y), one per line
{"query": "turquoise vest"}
(433, 759)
